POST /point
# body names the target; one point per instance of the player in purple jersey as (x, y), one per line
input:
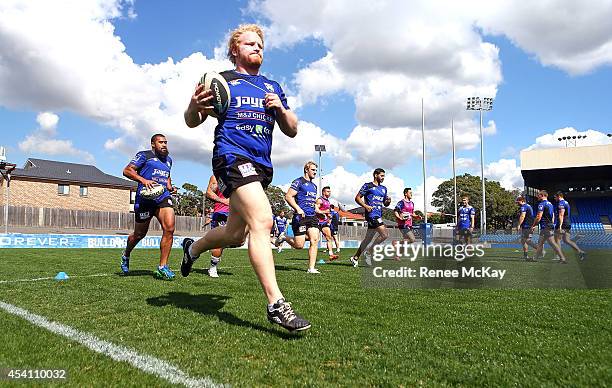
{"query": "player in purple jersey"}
(241, 164)
(301, 196)
(524, 226)
(217, 219)
(404, 214)
(372, 197)
(335, 222)
(323, 210)
(545, 218)
(563, 226)
(149, 168)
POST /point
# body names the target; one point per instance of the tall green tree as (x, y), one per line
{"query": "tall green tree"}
(501, 206)
(189, 201)
(276, 196)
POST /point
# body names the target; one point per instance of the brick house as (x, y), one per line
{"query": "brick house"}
(50, 184)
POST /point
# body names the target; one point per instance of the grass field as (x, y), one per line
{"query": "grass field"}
(361, 336)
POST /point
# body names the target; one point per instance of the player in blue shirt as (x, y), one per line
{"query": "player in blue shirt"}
(545, 218)
(335, 222)
(149, 168)
(301, 196)
(280, 226)
(563, 225)
(465, 220)
(524, 226)
(372, 197)
(242, 165)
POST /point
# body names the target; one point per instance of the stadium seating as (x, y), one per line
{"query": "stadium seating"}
(586, 218)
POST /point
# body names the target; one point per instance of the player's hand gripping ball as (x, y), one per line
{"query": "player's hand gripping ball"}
(221, 92)
(153, 192)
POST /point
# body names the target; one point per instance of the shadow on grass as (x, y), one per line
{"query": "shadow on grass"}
(204, 271)
(209, 304)
(138, 272)
(288, 268)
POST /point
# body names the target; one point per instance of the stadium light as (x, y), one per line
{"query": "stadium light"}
(320, 148)
(486, 104)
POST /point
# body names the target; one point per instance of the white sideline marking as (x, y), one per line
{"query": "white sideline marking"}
(120, 353)
(53, 277)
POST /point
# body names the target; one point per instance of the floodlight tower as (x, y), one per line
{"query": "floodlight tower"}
(320, 148)
(486, 104)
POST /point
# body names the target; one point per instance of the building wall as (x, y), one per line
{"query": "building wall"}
(44, 194)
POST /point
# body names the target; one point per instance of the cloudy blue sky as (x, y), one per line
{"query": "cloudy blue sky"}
(90, 80)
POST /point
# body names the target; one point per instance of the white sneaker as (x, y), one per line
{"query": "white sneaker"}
(543, 253)
(279, 239)
(355, 262)
(280, 249)
(368, 258)
(212, 272)
(313, 270)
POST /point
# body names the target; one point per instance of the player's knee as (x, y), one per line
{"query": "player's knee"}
(169, 229)
(261, 224)
(237, 237)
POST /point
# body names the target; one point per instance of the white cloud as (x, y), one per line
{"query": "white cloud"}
(465, 164)
(573, 36)
(507, 172)
(42, 140)
(297, 151)
(388, 58)
(551, 140)
(47, 65)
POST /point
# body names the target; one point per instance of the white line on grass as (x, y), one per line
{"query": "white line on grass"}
(53, 277)
(120, 353)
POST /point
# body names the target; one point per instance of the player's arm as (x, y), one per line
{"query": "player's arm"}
(398, 215)
(360, 201)
(536, 220)
(472, 218)
(199, 106)
(210, 192)
(521, 219)
(130, 172)
(169, 186)
(561, 215)
(290, 198)
(286, 119)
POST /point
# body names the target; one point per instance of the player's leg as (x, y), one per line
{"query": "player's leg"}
(141, 227)
(165, 216)
(540, 246)
(328, 237)
(571, 243)
(336, 239)
(313, 236)
(553, 243)
(363, 246)
(219, 219)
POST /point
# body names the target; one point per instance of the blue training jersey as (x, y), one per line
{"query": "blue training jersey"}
(528, 221)
(281, 223)
(465, 216)
(306, 195)
(548, 214)
(153, 167)
(373, 196)
(246, 128)
(563, 204)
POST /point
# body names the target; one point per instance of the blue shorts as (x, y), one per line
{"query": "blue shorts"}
(218, 219)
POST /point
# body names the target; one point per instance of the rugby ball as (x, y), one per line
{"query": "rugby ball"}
(153, 192)
(221, 92)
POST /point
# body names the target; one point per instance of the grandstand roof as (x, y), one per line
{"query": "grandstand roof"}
(569, 157)
(69, 172)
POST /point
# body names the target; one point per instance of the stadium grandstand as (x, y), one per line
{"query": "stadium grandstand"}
(584, 175)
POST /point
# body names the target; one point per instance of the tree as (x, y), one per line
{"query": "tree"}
(189, 201)
(276, 196)
(501, 207)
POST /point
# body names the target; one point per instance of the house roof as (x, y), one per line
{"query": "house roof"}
(350, 215)
(69, 173)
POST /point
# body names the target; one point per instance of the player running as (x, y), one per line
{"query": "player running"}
(372, 196)
(333, 226)
(301, 196)
(524, 226)
(323, 210)
(404, 213)
(241, 163)
(465, 225)
(546, 219)
(280, 227)
(218, 218)
(563, 225)
(149, 168)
